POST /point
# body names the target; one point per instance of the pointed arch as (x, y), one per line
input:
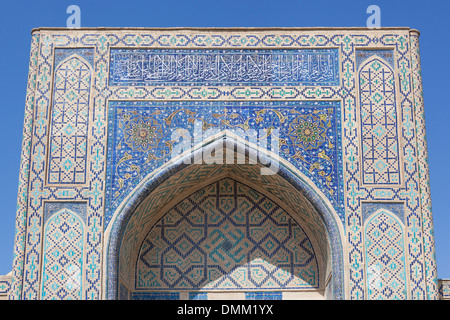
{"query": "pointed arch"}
(379, 123)
(297, 181)
(384, 243)
(67, 154)
(62, 261)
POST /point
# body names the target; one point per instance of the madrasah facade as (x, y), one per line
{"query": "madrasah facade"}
(224, 163)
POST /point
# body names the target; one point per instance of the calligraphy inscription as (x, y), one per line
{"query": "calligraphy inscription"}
(151, 67)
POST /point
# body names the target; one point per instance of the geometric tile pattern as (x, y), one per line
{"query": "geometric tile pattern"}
(62, 54)
(198, 296)
(396, 209)
(70, 116)
(308, 135)
(263, 296)
(378, 123)
(22, 203)
(412, 189)
(180, 183)
(444, 289)
(223, 67)
(63, 257)
(226, 236)
(408, 191)
(386, 55)
(423, 168)
(385, 257)
(5, 285)
(154, 296)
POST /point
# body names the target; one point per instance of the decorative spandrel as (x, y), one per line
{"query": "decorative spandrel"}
(141, 138)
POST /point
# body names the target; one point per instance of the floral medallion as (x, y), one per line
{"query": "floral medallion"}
(307, 131)
(143, 134)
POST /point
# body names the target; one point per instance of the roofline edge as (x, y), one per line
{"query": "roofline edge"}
(220, 28)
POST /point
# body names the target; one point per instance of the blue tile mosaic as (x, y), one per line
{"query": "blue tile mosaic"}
(140, 67)
(154, 296)
(369, 208)
(63, 53)
(358, 159)
(69, 120)
(386, 54)
(198, 296)
(263, 296)
(268, 249)
(379, 126)
(385, 257)
(308, 138)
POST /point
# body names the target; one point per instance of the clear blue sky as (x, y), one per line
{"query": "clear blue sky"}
(430, 17)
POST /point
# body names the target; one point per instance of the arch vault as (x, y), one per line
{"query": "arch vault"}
(141, 216)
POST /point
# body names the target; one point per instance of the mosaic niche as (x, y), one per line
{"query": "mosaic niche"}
(385, 252)
(380, 147)
(226, 236)
(62, 270)
(180, 184)
(69, 121)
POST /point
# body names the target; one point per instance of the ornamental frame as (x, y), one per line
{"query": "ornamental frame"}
(89, 121)
(382, 207)
(398, 114)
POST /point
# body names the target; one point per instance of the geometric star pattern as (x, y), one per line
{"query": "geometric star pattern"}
(378, 123)
(385, 258)
(226, 236)
(63, 257)
(70, 114)
(38, 161)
